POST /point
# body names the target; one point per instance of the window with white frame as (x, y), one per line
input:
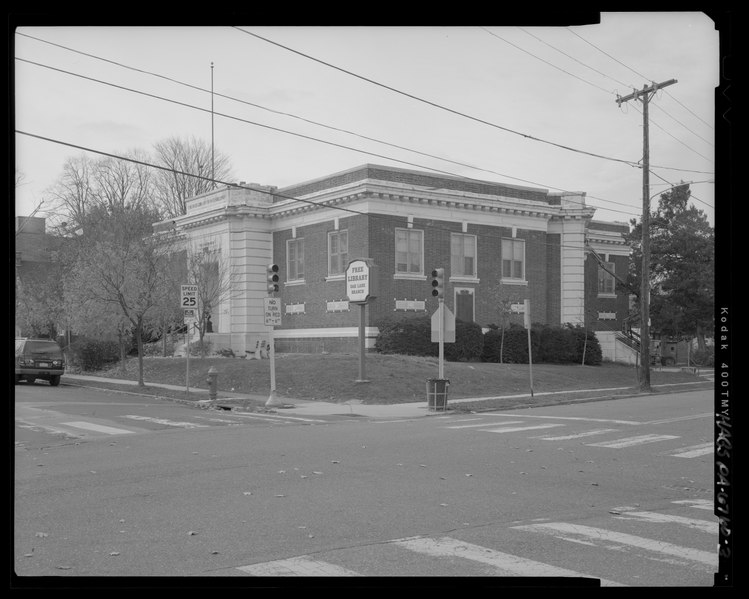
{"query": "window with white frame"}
(337, 252)
(409, 250)
(462, 255)
(513, 259)
(606, 279)
(295, 259)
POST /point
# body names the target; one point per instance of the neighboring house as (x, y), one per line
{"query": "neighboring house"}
(495, 242)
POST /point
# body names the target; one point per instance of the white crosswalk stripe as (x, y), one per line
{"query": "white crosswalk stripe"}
(579, 435)
(632, 441)
(694, 451)
(601, 537)
(493, 561)
(98, 428)
(297, 566)
(505, 563)
(516, 429)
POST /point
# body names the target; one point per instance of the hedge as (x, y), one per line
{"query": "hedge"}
(413, 337)
(549, 344)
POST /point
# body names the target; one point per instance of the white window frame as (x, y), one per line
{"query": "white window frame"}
(603, 277)
(459, 259)
(343, 262)
(513, 242)
(409, 273)
(294, 275)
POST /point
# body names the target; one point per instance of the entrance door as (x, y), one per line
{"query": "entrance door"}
(464, 305)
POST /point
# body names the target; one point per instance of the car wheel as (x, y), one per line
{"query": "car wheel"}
(54, 380)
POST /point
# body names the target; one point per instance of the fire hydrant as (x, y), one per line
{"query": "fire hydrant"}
(212, 376)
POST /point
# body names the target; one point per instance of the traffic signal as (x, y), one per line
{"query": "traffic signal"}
(272, 278)
(438, 283)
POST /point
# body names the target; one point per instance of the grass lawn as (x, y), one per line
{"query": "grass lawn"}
(393, 378)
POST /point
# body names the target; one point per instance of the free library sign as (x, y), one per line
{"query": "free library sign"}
(361, 281)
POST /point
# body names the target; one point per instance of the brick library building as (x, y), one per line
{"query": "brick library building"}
(498, 244)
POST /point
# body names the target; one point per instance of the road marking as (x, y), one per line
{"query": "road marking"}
(167, 422)
(703, 525)
(504, 563)
(563, 418)
(297, 566)
(694, 451)
(276, 417)
(600, 535)
(43, 428)
(514, 429)
(631, 441)
(99, 428)
(484, 424)
(700, 504)
(579, 435)
(680, 418)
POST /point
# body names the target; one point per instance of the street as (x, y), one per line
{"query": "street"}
(110, 484)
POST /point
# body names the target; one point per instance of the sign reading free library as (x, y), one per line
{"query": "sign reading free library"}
(361, 281)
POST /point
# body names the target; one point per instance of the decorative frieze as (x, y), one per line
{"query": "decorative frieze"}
(338, 306)
(410, 305)
(295, 308)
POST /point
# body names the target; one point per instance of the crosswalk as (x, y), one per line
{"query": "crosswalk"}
(587, 431)
(56, 424)
(614, 551)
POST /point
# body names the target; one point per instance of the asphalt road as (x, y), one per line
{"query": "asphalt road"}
(112, 485)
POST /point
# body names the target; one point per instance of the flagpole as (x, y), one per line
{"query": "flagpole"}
(213, 164)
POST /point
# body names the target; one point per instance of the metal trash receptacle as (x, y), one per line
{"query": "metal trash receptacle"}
(437, 394)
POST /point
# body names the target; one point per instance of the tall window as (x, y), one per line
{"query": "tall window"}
(295, 259)
(606, 279)
(337, 252)
(409, 245)
(513, 259)
(462, 255)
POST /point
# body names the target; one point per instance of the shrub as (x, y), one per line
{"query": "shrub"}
(408, 336)
(704, 358)
(592, 348)
(196, 350)
(413, 337)
(549, 344)
(468, 345)
(93, 354)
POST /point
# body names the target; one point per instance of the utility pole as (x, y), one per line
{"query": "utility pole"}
(645, 95)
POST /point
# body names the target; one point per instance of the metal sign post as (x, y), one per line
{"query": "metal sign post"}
(527, 321)
(189, 304)
(361, 287)
(272, 306)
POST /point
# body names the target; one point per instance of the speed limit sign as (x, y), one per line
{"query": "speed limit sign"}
(189, 296)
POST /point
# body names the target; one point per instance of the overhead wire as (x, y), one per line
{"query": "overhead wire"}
(95, 80)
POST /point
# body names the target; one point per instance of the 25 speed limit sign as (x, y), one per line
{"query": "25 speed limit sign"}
(189, 296)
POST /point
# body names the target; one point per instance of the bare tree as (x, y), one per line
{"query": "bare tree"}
(183, 158)
(120, 184)
(71, 195)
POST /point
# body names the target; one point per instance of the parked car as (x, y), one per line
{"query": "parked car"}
(38, 359)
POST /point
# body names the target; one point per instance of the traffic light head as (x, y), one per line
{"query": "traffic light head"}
(272, 278)
(438, 283)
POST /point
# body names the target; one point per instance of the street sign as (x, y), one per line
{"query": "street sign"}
(189, 296)
(272, 306)
(357, 281)
(190, 315)
(449, 324)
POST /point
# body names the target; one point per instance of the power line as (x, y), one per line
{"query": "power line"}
(95, 80)
(275, 193)
(439, 106)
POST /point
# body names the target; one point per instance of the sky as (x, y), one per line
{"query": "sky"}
(529, 106)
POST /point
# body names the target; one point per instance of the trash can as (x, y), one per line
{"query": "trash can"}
(437, 394)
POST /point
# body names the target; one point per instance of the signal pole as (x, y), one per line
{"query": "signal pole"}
(645, 95)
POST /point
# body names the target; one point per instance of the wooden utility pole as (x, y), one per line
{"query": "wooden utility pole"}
(645, 95)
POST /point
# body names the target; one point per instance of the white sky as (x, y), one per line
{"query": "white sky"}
(501, 75)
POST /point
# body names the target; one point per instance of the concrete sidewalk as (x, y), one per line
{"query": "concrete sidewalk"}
(302, 407)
